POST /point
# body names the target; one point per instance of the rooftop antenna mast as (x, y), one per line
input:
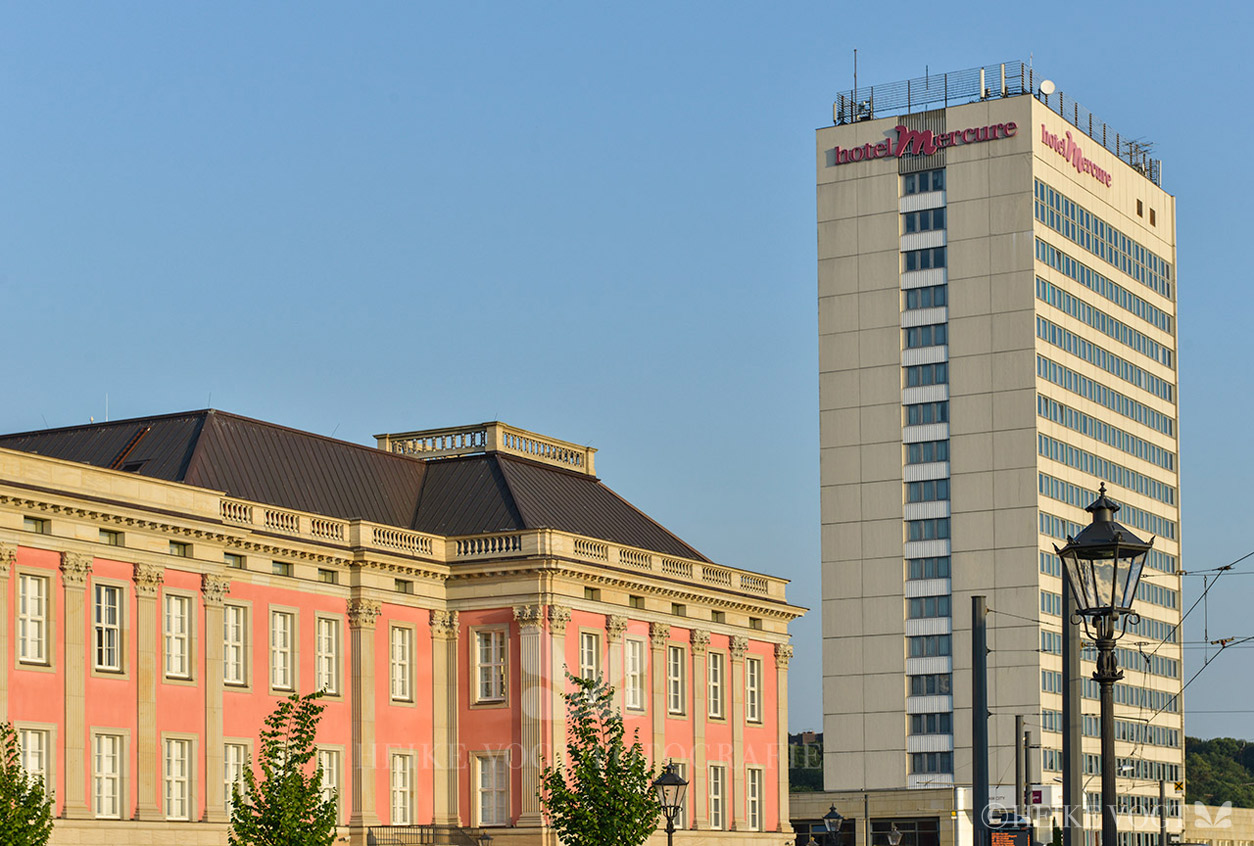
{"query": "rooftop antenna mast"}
(855, 74)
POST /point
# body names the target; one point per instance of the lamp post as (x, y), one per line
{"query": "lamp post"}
(1103, 566)
(832, 821)
(670, 787)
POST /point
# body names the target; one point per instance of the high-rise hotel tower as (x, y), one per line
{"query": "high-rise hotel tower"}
(997, 337)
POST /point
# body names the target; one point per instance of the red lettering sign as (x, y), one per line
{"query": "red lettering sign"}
(920, 142)
(1067, 147)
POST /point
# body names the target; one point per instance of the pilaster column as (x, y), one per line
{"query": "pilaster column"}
(615, 628)
(148, 579)
(444, 692)
(530, 619)
(736, 706)
(700, 641)
(659, 637)
(362, 615)
(8, 557)
(783, 654)
(559, 619)
(75, 572)
(213, 590)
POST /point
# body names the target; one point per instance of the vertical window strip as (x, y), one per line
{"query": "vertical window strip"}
(108, 627)
(329, 763)
(234, 758)
(753, 798)
(34, 754)
(675, 679)
(402, 649)
(491, 666)
(493, 790)
(635, 674)
(327, 658)
(177, 781)
(753, 690)
(715, 689)
(402, 789)
(234, 650)
(281, 650)
(32, 619)
(177, 636)
(107, 775)
(718, 789)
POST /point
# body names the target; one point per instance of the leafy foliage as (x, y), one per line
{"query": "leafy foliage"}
(285, 807)
(604, 792)
(1219, 770)
(25, 808)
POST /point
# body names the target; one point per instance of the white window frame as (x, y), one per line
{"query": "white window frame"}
(283, 640)
(330, 760)
(178, 767)
(327, 651)
(33, 622)
(491, 676)
(717, 800)
(108, 773)
(753, 689)
(235, 759)
(635, 668)
(401, 663)
(716, 685)
(755, 788)
(492, 805)
(107, 642)
(401, 782)
(178, 613)
(676, 686)
(681, 819)
(589, 654)
(235, 644)
(37, 751)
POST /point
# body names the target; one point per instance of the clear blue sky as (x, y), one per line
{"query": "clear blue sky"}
(591, 220)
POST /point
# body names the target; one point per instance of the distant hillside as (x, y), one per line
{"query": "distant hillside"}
(1219, 770)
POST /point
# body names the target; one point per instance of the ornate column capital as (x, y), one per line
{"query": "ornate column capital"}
(739, 646)
(444, 624)
(75, 568)
(529, 616)
(8, 557)
(659, 634)
(559, 618)
(700, 640)
(148, 579)
(783, 654)
(362, 613)
(214, 588)
(616, 626)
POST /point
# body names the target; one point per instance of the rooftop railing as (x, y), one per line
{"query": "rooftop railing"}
(490, 437)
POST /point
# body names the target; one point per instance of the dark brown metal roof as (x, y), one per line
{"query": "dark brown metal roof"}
(263, 462)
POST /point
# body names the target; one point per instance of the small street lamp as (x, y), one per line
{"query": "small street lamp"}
(832, 821)
(1102, 566)
(670, 787)
(894, 836)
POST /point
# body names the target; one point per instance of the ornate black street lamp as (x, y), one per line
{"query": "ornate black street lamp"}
(1103, 566)
(832, 821)
(670, 787)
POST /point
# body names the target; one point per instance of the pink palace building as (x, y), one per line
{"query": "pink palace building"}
(164, 581)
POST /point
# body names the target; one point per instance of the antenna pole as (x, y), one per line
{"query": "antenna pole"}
(855, 75)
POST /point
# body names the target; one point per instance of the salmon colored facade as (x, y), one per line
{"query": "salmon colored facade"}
(150, 626)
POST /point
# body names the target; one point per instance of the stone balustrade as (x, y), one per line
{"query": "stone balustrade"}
(490, 437)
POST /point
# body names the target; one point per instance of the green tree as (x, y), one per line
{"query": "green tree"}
(285, 806)
(603, 793)
(25, 807)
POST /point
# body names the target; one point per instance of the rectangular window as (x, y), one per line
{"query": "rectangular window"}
(932, 762)
(753, 690)
(108, 628)
(919, 607)
(403, 585)
(589, 655)
(36, 525)
(402, 789)
(182, 550)
(327, 658)
(717, 798)
(234, 644)
(329, 577)
(592, 593)
(178, 621)
(937, 723)
(235, 562)
(931, 335)
(34, 754)
(282, 630)
(402, 651)
(110, 538)
(931, 296)
(234, 759)
(923, 413)
(934, 529)
(679, 610)
(930, 490)
(635, 674)
(928, 568)
(675, 693)
(635, 601)
(681, 819)
(927, 259)
(281, 568)
(329, 763)
(926, 220)
(925, 452)
(937, 684)
(714, 690)
(920, 375)
(493, 788)
(107, 776)
(177, 779)
(753, 798)
(930, 646)
(32, 619)
(923, 181)
(490, 652)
